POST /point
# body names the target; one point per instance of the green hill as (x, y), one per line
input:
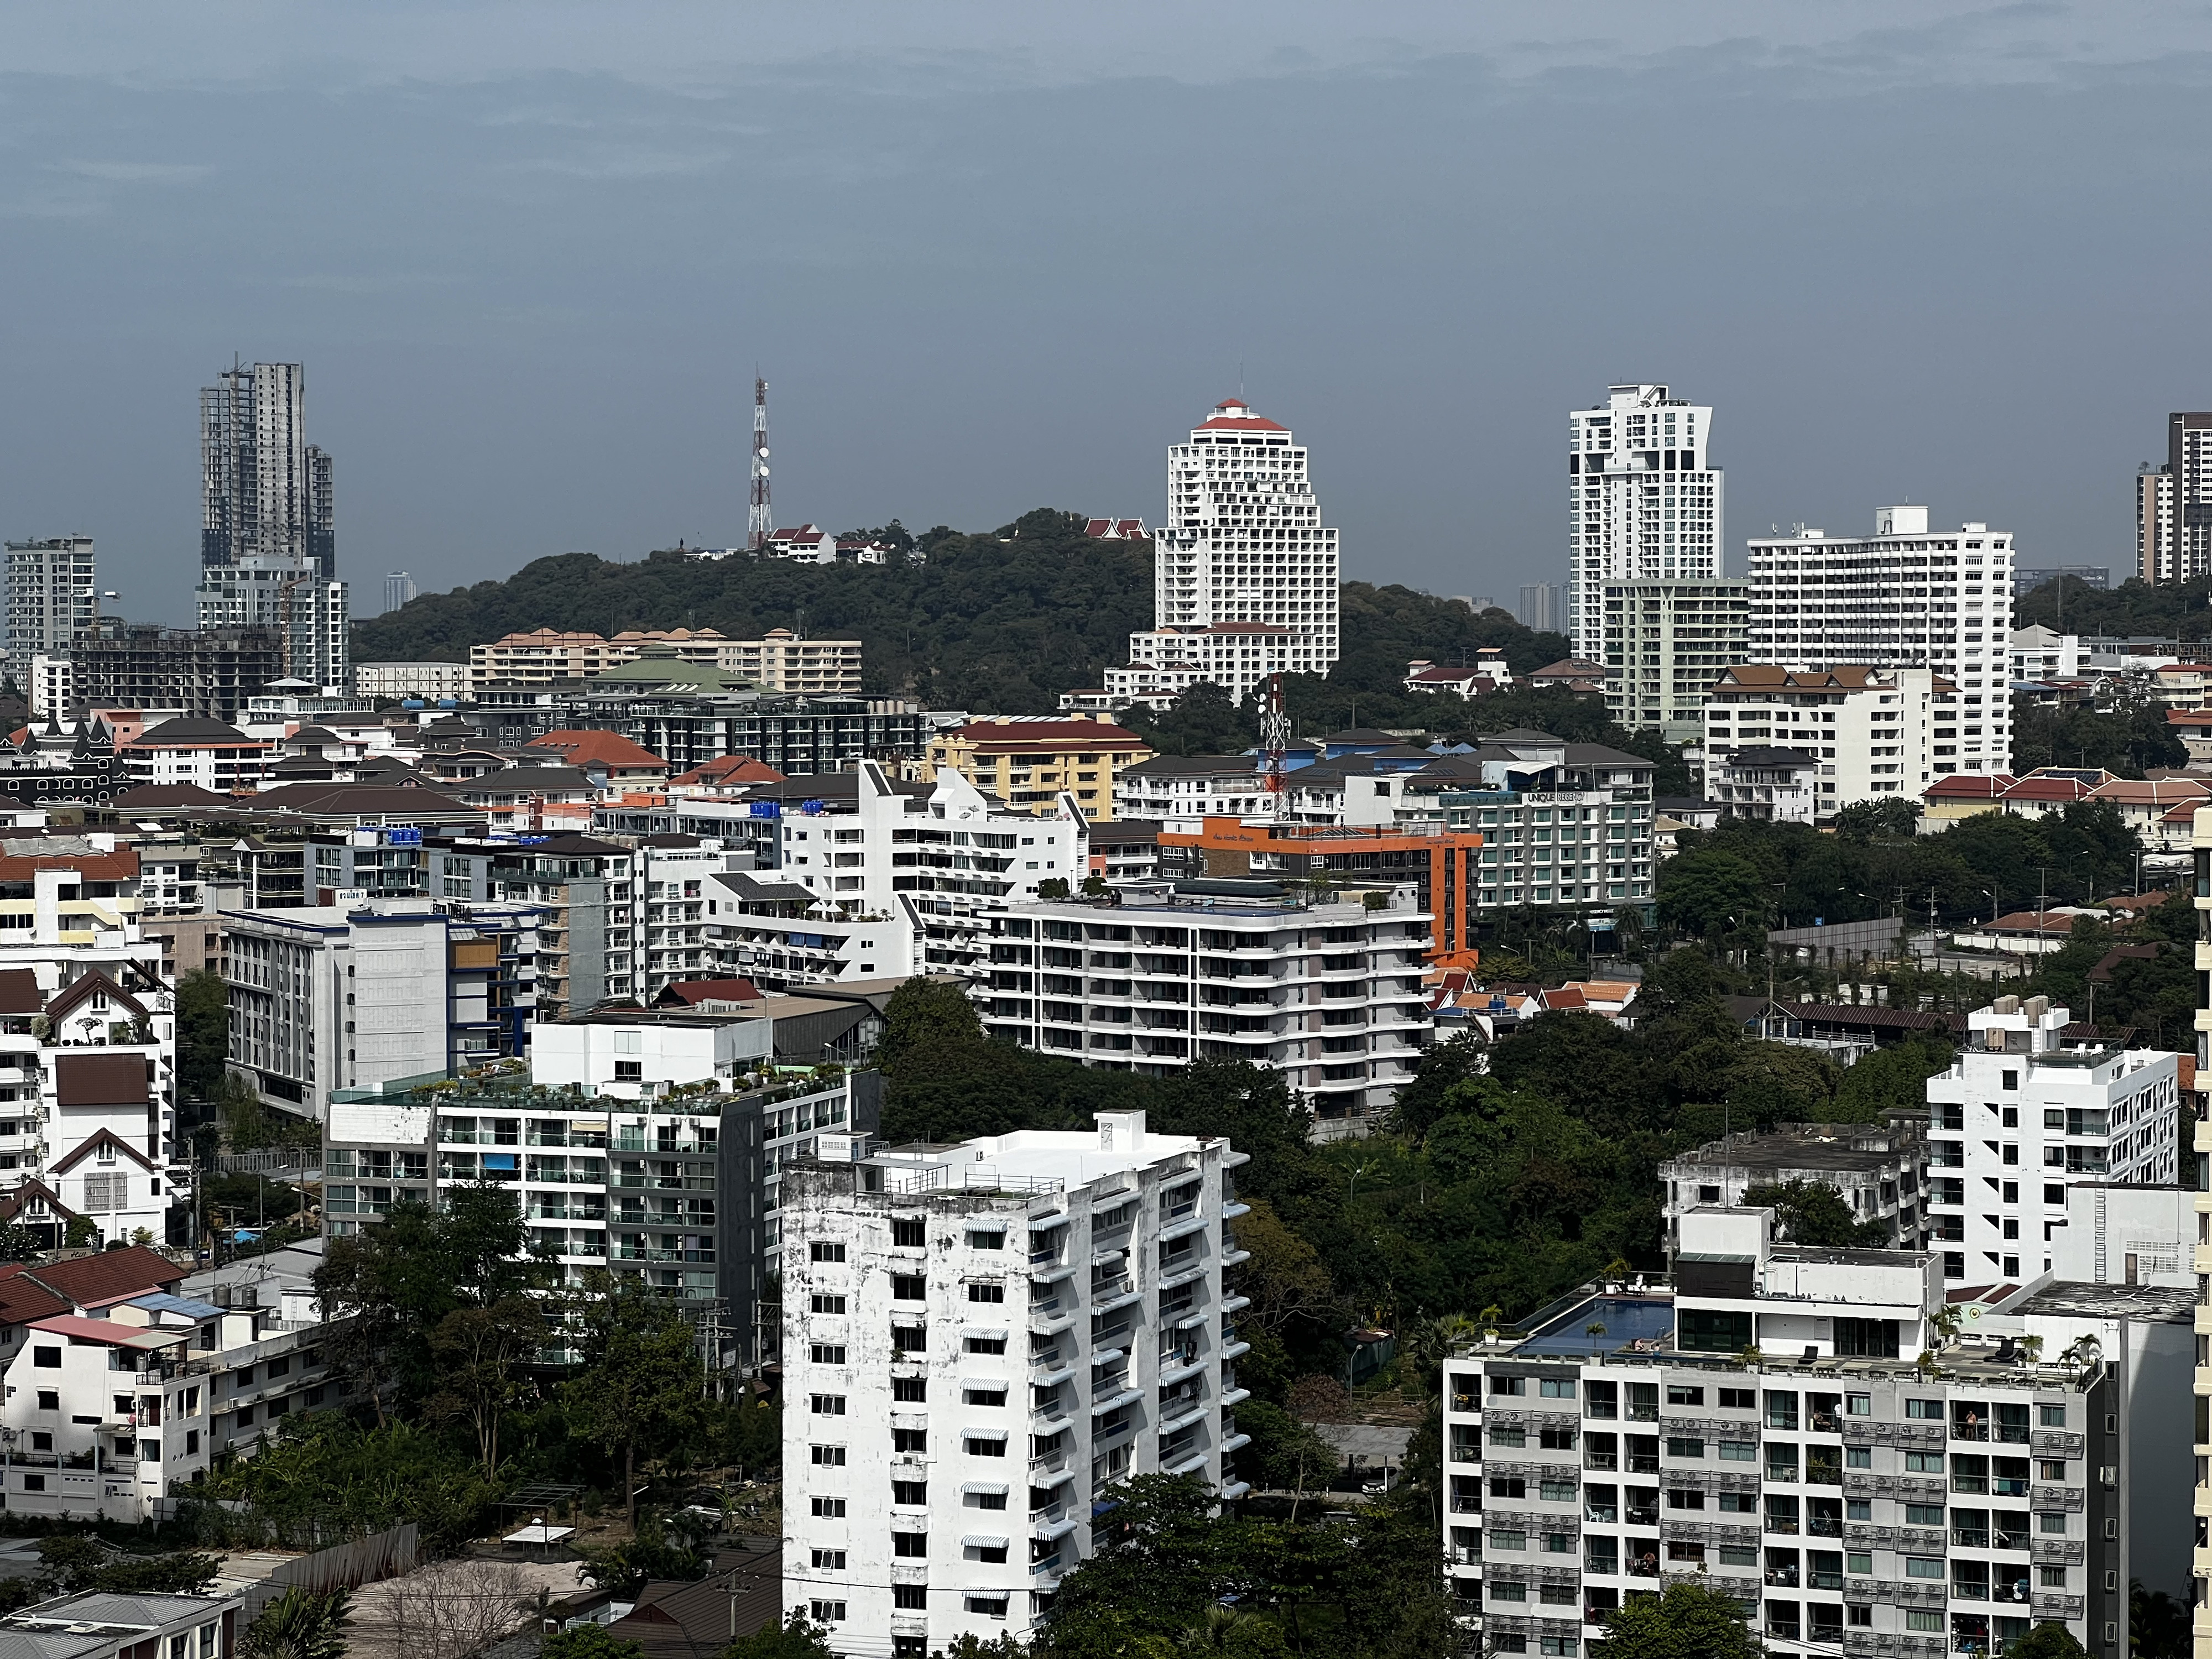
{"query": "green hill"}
(999, 623)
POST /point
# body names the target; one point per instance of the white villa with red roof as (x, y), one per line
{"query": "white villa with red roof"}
(1244, 574)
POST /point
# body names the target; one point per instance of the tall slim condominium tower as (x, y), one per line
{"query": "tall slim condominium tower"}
(1244, 574)
(1543, 607)
(266, 490)
(2174, 504)
(398, 588)
(1643, 503)
(1905, 597)
(53, 596)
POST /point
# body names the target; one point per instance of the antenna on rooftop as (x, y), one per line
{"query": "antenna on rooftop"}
(759, 526)
(1274, 738)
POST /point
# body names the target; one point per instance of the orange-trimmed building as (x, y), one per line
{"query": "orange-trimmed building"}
(1442, 861)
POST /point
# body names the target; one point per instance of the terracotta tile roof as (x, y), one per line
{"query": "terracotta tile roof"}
(692, 992)
(109, 1277)
(609, 748)
(1969, 786)
(731, 769)
(121, 865)
(100, 1080)
(2136, 901)
(2048, 789)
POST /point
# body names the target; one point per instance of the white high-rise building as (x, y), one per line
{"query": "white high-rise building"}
(1243, 572)
(2018, 1118)
(53, 596)
(1643, 504)
(1905, 597)
(978, 1341)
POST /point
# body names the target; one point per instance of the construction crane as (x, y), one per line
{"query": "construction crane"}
(1274, 738)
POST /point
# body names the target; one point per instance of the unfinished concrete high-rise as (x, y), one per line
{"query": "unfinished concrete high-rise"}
(265, 489)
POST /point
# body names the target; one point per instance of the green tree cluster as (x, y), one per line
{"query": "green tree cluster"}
(1167, 1575)
(1815, 1213)
(1732, 883)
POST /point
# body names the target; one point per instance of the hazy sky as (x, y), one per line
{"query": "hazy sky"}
(994, 257)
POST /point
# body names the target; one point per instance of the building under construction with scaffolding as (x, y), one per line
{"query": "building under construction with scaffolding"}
(208, 673)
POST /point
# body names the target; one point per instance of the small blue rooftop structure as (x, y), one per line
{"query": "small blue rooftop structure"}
(182, 1307)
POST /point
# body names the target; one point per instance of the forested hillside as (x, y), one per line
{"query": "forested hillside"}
(1001, 621)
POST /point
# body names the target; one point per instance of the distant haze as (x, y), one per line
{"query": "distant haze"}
(531, 254)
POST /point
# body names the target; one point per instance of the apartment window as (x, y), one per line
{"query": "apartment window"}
(824, 1250)
(911, 1389)
(909, 1492)
(826, 1613)
(828, 1457)
(910, 1287)
(833, 1560)
(910, 1440)
(828, 1405)
(987, 1292)
(909, 1235)
(826, 1353)
(986, 1445)
(912, 1597)
(819, 1303)
(829, 1508)
(910, 1546)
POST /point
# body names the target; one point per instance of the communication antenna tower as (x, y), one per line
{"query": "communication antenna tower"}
(1274, 738)
(759, 526)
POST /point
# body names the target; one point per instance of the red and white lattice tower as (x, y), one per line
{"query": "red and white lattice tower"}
(760, 523)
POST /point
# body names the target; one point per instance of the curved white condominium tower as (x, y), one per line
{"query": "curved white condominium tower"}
(1244, 573)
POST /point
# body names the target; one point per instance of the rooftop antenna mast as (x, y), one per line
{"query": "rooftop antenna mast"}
(759, 526)
(1274, 738)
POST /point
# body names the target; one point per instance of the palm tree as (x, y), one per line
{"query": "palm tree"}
(301, 1624)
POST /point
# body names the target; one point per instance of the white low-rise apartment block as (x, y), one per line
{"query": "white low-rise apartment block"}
(1872, 730)
(1164, 973)
(979, 1339)
(430, 681)
(88, 1045)
(935, 866)
(1765, 1432)
(1243, 571)
(95, 1623)
(111, 1411)
(1192, 787)
(2018, 1117)
(1905, 597)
